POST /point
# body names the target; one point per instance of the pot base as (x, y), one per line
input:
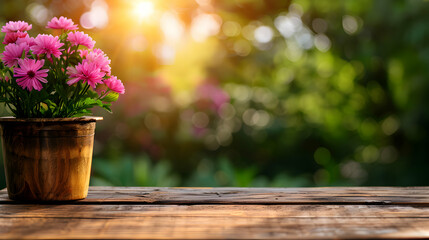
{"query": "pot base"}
(47, 160)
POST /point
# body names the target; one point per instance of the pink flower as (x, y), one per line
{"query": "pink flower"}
(211, 95)
(47, 44)
(99, 59)
(80, 38)
(27, 40)
(19, 26)
(30, 74)
(115, 84)
(12, 53)
(83, 53)
(61, 23)
(87, 72)
(12, 37)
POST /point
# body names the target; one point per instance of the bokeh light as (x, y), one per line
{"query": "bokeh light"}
(142, 9)
(256, 93)
(97, 17)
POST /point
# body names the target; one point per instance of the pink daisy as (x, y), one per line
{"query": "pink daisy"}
(12, 53)
(61, 23)
(47, 44)
(12, 37)
(19, 26)
(87, 72)
(30, 74)
(27, 40)
(115, 84)
(80, 38)
(100, 59)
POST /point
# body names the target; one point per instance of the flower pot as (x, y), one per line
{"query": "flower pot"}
(47, 159)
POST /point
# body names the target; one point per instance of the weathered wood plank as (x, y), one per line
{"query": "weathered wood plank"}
(212, 221)
(328, 195)
(224, 213)
(208, 210)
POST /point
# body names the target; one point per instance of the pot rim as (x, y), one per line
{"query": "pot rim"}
(75, 119)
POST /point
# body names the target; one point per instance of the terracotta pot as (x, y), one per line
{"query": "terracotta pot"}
(47, 159)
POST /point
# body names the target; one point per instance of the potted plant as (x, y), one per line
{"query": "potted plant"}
(49, 83)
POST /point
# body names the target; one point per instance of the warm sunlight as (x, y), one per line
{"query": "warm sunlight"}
(143, 9)
(235, 119)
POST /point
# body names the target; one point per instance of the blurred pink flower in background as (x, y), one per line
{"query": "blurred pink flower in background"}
(210, 94)
(61, 23)
(144, 95)
(30, 74)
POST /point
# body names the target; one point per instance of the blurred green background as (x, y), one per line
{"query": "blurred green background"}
(256, 93)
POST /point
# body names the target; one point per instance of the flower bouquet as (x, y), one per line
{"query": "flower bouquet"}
(49, 83)
(54, 76)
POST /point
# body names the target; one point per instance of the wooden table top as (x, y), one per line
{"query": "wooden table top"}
(224, 213)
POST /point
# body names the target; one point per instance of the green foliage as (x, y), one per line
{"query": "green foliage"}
(221, 173)
(111, 97)
(348, 107)
(350, 112)
(131, 171)
(141, 171)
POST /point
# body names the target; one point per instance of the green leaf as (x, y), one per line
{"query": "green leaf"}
(111, 97)
(92, 94)
(85, 113)
(106, 106)
(74, 59)
(89, 102)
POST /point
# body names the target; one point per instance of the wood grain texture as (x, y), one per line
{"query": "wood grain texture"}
(224, 213)
(212, 222)
(324, 195)
(47, 160)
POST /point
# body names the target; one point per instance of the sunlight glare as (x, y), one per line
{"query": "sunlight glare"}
(143, 9)
(165, 53)
(263, 34)
(172, 27)
(38, 13)
(205, 25)
(97, 17)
